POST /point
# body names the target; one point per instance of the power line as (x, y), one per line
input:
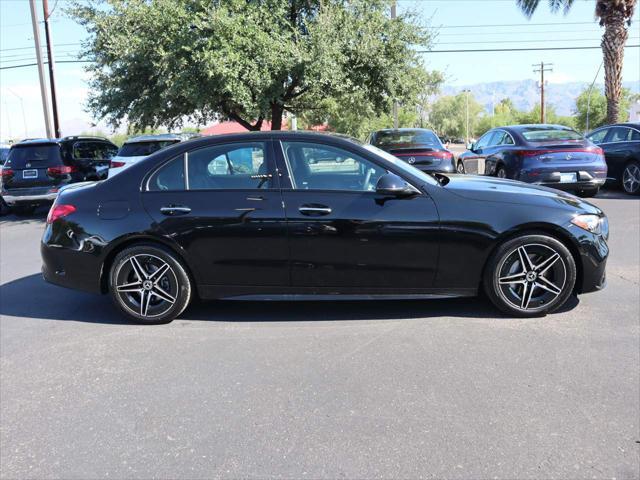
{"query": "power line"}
(34, 64)
(524, 41)
(516, 49)
(518, 25)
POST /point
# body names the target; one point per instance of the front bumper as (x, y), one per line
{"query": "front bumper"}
(594, 251)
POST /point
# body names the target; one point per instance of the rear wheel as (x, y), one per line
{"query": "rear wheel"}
(24, 210)
(631, 178)
(529, 276)
(501, 172)
(149, 284)
(592, 192)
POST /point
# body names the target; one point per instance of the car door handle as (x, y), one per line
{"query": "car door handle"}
(314, 210)
(173, 210)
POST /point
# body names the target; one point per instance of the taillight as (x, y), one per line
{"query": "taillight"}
(6, 172)
(113, 164)
(535, 153)
(598, 151)
(59, 211)
(62, 170)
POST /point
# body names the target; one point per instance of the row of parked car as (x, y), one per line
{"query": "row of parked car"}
(550, 155)
(35, 170)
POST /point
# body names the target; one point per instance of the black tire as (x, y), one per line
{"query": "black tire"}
(512, 288)
(592, 192)
(631, 178)
(142, 294)
(24, 210)
(460, 167)
(4, 208)
(501, 172)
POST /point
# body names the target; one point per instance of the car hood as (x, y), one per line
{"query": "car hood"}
(490, 189)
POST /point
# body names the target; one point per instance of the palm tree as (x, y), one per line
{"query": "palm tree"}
(615, 17)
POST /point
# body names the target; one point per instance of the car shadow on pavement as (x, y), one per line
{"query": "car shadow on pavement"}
(32, 297)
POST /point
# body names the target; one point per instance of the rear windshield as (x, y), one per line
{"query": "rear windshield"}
(545, 134)
(142, 149)
(35, 156)
(424, 137)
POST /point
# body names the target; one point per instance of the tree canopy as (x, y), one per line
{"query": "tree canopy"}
(161, 62)
(597, 108)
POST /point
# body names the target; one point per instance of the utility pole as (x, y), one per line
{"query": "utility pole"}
(467, 92)
(541, 67)
(43, 88)
(52, 79)
(395, 103)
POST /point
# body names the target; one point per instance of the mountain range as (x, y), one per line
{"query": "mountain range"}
(525, 93)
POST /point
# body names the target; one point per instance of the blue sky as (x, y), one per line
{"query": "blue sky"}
(461, 25)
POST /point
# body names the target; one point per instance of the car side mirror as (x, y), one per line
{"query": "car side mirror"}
(393, 185)
(471, 147)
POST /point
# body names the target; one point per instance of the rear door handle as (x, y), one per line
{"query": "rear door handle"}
(174, 210)
(312, 210)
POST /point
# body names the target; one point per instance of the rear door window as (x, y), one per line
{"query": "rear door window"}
(34, 156)
(598, 136)
(169, 177)
(229, 167)
(620, 134)
(85, 151)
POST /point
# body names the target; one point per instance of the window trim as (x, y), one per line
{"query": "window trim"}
(505, 144)
(606, 127)
(291, 179)
(268, 150)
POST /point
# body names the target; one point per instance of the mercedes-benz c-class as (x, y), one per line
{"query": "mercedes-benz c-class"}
(297, 215)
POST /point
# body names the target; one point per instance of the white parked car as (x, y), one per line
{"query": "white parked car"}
(137, 148)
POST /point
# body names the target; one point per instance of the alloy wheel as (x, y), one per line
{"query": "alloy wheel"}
(460, 168)
(146, 285)
(531, 277)
(502, 173)
(631, 178)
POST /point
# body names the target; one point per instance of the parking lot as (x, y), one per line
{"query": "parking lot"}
(407, 389)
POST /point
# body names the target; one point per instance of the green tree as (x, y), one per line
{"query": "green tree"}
(351, 116)
(163, 62)
(595, 103)
(533, 116)
(615, 16)
(504, 113)
(449, 115)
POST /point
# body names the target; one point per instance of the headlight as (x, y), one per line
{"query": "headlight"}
(590, 223)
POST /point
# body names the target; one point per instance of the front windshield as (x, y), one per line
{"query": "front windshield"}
(404, 166)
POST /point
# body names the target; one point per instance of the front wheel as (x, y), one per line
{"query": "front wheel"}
(529, 276)
(149, 284)
(631, 178)
(460, 167)
(501, 172)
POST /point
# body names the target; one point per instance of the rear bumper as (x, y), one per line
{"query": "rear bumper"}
(445, 168)
(585, 179)
(31, 197)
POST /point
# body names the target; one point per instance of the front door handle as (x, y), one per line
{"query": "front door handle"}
(173, 210)
(313, 210)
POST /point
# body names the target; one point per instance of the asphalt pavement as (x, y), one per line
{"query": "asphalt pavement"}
(385, 389)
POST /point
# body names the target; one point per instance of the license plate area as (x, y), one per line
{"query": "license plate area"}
(568, 177)
(30, 174)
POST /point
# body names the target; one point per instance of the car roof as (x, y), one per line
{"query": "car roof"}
(162, 137)
(404, 129)
(51, 141)
(539, 126)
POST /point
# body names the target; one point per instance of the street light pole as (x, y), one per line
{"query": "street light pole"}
(24, 118)
(466, 92)
(395, 103)
(43, 88)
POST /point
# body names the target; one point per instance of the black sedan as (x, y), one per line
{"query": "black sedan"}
(551, 155)
(186, 222)
(621, 145)
(417, 146)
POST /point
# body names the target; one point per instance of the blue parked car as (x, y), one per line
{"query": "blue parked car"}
(550, 155)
